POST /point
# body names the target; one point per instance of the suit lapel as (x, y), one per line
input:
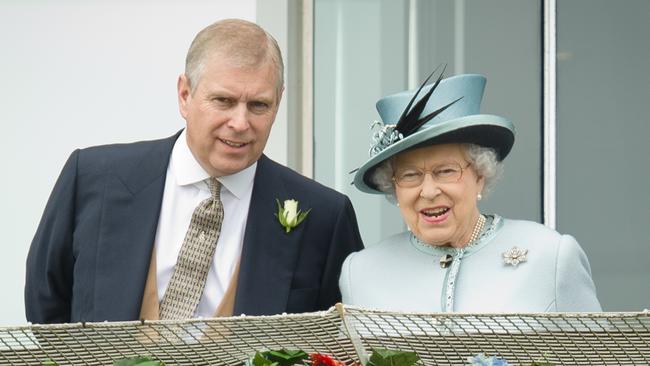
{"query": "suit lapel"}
(269, 254)
(130, 212)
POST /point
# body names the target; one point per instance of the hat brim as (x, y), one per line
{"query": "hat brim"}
(480, 129)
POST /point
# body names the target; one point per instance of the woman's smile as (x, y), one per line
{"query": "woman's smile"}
(435, 215)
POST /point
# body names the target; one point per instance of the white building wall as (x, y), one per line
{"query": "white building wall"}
(78, 73)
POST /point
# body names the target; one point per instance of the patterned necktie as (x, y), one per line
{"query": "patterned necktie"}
(191, 271)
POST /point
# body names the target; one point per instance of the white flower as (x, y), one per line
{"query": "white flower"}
(291, 212)
(289, 215)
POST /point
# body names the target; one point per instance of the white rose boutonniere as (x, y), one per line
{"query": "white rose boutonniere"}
(289, 215)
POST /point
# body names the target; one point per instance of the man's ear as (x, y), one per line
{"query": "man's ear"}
(277, 104)
(280, 93)
(184, 94)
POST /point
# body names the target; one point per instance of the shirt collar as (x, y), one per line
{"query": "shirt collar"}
(187, 170)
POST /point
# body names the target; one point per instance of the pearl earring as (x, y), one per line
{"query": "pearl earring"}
(479, 197)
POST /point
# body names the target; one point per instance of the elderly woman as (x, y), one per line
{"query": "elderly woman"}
(437, 161)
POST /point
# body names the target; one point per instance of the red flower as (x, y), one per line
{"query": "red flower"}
(318, 359)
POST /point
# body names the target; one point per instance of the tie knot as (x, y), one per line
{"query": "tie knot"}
(215, 187)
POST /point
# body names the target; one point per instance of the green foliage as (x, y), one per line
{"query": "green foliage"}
(302, 216)
(280, 215)
(281, 357)
(387, 357)
(260, 360)
(138, 361)
(49, 363)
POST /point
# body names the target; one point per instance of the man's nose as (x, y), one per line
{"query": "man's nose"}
(239, 118)
(429, 188)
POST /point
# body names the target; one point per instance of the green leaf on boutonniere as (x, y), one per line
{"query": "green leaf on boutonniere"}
(289, 215)
(387, 357)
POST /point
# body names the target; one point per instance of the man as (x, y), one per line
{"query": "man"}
(130, 230)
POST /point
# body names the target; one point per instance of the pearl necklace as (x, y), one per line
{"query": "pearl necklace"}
(446, 259)
(477, 229)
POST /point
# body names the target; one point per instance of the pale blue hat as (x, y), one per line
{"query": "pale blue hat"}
(446, 112)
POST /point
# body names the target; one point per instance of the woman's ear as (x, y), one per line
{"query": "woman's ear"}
(480, 183)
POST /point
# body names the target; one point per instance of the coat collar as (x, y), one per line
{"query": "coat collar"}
(131, 207)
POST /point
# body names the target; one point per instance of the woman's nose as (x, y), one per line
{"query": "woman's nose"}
(429, 188)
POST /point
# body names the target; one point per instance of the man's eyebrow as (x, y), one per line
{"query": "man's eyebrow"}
(219, 93)
(264, 99)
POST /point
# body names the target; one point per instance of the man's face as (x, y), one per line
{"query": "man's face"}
(229, 115)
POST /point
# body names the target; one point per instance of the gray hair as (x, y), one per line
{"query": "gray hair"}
(244, 43)
(483, 159)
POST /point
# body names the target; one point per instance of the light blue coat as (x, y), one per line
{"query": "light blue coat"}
(401, 274)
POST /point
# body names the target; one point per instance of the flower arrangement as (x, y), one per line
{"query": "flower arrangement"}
(323, 360)
(379, 357)
(387, 357)
(286, 357)
(283, 357)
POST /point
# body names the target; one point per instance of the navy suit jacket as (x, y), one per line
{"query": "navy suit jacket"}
(90, 256)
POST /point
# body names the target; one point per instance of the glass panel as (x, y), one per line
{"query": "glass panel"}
(603, 92)
(362, 53)
(504, 43)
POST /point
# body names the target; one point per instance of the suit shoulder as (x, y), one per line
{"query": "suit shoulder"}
(105, 157)
(124, 150)
(309, 186)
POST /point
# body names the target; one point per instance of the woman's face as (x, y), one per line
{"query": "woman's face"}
(439, 211)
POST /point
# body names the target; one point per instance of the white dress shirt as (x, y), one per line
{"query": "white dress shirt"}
(185, 188)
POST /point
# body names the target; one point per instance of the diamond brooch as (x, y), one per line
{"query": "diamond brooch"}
(514, 256)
